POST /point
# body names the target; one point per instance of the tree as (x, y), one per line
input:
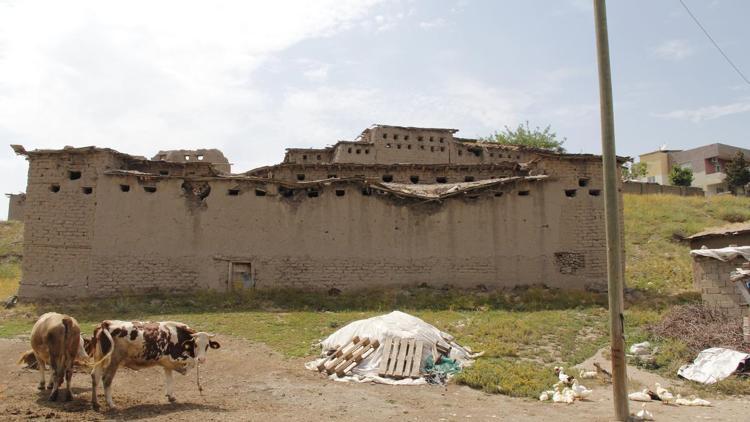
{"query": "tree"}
(525, 136)
(681, 176)
(635, 171)
(738, 173)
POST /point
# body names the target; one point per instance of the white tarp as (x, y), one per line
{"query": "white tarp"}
(395, 324)
(724, 254)
(713, 365)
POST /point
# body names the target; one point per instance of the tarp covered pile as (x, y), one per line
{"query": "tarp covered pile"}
(393, 325)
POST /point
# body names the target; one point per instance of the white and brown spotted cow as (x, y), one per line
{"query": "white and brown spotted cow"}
(55, 341)
(172, 345)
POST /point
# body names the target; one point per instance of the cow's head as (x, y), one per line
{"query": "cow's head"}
(202, 341)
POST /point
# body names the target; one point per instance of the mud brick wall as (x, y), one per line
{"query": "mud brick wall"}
(92, 233)
(711, 276)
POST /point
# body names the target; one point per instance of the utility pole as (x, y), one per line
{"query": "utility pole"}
(612, 217)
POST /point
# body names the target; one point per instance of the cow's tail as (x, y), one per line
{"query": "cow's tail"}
(101, 344)
(67, 323)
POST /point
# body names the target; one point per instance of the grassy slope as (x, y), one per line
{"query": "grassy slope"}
(520, 332)
(654, 261)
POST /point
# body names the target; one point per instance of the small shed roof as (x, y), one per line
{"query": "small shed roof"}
(728, 230)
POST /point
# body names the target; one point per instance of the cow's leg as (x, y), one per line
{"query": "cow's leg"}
(96, 377)
(68, 391)
(55, 378)
(109, 375)
(42, 368)
(168, 385)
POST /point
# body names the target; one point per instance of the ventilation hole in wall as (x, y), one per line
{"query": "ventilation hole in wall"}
(583, 182)
(301, 176)
(441, 179)
(460, 152)
(54, 188)
(187, 158)
(421, 147)
(518, 157)
(87, 190)
(164, 172)
(149, 189)
(74, 175)
(432, 139)
(304, 157)
(359, 151)
(366, 191)
(367, 151)
(408, 146)
(318, 157)
(385, 136)
(498, 194)
(331, 176)
(594, 192)
(398, 146)
(441, 140)
(432, 149)
(395, 137)
(350, 150)
(442, 149)
(406, 137)
(312, 193)
(340, 192)
(233, 192)
(414, 179)
(420, 138)
(492, 154)
(125, 188)
(469, 179)
(523, 193)
(387, 145)
(285, 192)
(387, 178)
(570, 193)
(200, 157)
(477, 152)
(260, 192)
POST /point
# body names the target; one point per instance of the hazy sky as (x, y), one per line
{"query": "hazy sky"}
(254, 77)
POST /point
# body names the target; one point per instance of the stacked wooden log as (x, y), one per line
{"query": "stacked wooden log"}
(347, 357)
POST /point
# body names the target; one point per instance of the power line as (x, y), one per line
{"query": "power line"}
(731, 63)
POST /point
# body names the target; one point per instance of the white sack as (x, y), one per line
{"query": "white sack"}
(724, 254)
(395, 324)
(713, 365)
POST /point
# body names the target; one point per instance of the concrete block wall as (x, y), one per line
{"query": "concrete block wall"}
(711, 277)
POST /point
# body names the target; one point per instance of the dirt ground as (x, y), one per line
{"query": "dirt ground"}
(246, 381)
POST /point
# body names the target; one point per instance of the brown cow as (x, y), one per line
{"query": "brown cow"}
(172, 345)
(55, 341)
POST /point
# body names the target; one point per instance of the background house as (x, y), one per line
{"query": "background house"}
(708, 164)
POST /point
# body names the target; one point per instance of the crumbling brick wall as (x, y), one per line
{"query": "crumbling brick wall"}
(711, 276)
(16, 203)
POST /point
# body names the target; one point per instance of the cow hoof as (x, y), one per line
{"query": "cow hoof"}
(171, 399)
(68, 396)
(95, 406)
(53, 396)
(40, 386)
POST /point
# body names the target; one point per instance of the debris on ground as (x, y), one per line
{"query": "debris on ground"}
(691, 402)
(715, 364)
(602, 373)
(396, 348)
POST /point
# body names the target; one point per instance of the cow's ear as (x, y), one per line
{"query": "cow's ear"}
(214, 344)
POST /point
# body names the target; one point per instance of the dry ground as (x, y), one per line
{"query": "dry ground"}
(248, 381)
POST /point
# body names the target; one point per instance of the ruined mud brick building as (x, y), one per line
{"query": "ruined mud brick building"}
(396, 206)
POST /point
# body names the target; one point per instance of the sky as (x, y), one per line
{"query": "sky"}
(254, 78)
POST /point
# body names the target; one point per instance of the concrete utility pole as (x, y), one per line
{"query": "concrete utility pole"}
(612, 214)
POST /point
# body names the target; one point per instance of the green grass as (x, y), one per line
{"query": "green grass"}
(524, 332)
(655, 261)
